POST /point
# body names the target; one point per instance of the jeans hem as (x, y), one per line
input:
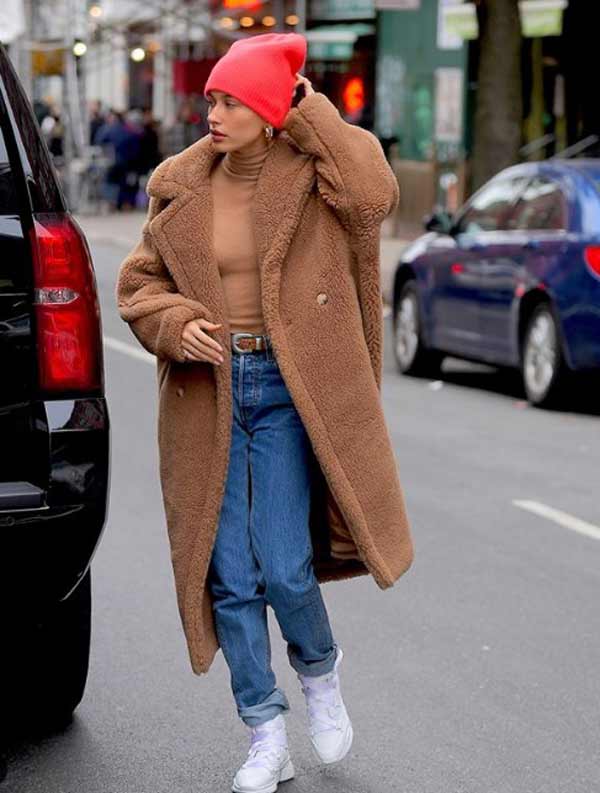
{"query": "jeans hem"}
(266, 710)
(316, 668)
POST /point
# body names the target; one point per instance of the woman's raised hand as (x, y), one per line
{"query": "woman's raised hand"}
(302, 80)
(198, 345)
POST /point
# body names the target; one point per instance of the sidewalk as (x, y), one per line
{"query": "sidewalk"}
(123, 229)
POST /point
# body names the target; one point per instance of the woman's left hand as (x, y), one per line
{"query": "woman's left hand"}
(302, 80)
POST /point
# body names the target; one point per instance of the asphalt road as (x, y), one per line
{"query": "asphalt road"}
(477, 672)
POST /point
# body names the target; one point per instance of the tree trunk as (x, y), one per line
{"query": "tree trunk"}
(499, 113)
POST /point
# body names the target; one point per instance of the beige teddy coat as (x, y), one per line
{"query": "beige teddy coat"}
(321, 196)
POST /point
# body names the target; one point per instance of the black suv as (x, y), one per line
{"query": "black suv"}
(54, 427)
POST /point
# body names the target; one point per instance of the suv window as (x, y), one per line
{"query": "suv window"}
(490, 208)
(44, 189)
(8, 195)
(541, 207)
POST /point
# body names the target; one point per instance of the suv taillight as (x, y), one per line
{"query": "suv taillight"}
(66, 304)
(592, 259)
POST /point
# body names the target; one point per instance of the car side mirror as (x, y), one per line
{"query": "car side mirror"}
(438, 221)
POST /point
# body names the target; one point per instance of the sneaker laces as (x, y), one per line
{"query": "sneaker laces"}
(323, 701)
(265, 746)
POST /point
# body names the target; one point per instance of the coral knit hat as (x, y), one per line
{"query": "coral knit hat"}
(260, 71)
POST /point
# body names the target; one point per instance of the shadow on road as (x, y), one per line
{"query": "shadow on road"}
(44, 740)
(582, 395)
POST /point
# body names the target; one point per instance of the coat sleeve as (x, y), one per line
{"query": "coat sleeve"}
(148, 300)
(355, 179)
(353, 174)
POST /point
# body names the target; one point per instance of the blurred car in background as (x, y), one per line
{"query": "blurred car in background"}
(54, 428)
(513, 279)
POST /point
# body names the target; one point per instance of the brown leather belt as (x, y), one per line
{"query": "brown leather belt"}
(249, 342)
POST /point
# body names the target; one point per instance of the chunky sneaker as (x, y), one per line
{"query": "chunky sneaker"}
(268, 761)
(330, 727)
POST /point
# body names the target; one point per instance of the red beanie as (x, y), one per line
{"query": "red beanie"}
(260, 71)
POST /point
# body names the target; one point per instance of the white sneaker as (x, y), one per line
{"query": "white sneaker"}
(330, 727)
(268, 761)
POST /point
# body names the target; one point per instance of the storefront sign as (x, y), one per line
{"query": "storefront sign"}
(335, 42)
(397, 5)
(241, 5)
(342, 9)
(47, 61)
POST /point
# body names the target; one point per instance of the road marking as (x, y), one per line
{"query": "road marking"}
(562, 518)
(129, 349)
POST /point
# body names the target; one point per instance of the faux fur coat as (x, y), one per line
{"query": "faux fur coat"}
(321, 196)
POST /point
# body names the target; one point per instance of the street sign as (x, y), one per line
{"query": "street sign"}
(542, 17)
(538, 18)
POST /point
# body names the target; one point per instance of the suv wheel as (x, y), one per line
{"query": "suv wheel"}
(543, 366)
(412, 357)
(49, 662)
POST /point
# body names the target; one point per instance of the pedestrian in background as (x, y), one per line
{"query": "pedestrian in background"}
(185, 130)
(54, 132)
(256, 285)
(122, 138)
(150, 152)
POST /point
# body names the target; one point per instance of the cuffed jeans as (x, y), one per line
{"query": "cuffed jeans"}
(263, 550)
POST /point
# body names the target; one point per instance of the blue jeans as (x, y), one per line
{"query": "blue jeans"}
(263, 550)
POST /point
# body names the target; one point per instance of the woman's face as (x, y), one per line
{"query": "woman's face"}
(239, 124)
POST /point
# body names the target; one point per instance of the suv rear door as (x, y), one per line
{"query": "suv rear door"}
(54, 423)
(22, 470)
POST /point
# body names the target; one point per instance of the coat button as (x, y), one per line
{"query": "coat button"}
(321, 298)
(180, 391)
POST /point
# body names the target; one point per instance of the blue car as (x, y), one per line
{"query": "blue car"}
(513, 279)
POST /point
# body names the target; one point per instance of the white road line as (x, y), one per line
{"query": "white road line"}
(562, 518)
(129, 349)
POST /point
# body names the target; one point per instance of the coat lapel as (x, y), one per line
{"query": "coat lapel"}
(183, 230)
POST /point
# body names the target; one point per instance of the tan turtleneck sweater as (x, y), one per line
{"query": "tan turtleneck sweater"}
(233, 182)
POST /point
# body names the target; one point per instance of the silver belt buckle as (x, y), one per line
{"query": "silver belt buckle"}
(241, 335)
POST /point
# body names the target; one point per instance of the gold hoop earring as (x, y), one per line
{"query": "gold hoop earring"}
(269, 132)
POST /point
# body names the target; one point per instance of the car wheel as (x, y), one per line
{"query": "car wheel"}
(49, 664)
(412, 357)
(543, 366)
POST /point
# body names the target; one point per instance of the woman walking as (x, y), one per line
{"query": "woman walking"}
(256, 285)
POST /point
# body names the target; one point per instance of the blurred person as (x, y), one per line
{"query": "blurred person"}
(122, 177)
(97, 118)
(255, 283)
(41, 108)
(150, 154)
(186, 129)
(53, 132)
